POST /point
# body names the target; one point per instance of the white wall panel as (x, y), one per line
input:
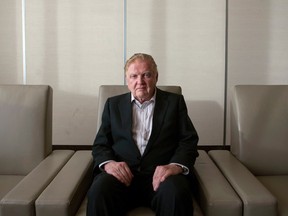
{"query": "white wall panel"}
(257, 44)
(10, 42)
(187, 39)
(74, 46)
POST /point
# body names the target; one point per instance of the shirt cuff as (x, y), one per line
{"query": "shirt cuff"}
(101, 166)
(184, 168)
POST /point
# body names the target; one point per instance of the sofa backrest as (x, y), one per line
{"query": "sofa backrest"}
(25, 127)
(259, 128)
(106, 91)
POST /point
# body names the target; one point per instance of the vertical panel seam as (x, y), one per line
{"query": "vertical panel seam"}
(124, 37)
(225, 74)
(23, 8)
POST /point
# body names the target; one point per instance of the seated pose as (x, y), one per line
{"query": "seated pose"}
(145, 149)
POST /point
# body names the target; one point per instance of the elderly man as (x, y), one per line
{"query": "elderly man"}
(144, 150)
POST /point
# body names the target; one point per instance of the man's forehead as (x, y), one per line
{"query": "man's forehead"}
(139, 63)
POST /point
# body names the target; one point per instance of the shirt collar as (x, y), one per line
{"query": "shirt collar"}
(153, 99)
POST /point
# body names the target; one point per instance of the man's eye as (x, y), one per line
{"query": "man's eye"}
(133, 76)
(147, 75)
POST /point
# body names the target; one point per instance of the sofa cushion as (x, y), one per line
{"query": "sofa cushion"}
(259, 128)
(278, 186)
(26, 127)
(7, 182)
(140, 211)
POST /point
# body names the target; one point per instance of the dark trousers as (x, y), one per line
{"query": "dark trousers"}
(109, 197)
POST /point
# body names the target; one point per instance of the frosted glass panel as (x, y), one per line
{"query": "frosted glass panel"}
(187, 39)
(74, 46)
(258, 42)
(10, 42)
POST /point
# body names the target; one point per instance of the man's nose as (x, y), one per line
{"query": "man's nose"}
(140, 78)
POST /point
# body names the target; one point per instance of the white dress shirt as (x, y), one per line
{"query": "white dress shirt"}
(142, 118)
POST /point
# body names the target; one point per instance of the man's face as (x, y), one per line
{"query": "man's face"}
(141, 80)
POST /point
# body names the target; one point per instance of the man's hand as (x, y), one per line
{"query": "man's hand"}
(119, 170)
(162, 172)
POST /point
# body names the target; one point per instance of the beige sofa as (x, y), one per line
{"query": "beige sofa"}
(27, 162)
(65, 196)
(257, 165)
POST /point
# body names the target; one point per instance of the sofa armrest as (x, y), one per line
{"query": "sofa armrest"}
(257, 200)
(20, 200)
(216, 196)
(66, 192)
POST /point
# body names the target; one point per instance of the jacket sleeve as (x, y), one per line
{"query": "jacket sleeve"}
(186, 152)
(102, 147)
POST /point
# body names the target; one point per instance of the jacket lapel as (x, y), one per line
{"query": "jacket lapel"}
(158, 117)
(125, 111)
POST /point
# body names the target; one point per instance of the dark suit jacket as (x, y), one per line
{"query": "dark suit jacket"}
(173, 138)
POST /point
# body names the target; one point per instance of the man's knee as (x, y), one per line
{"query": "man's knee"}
(173, 197)
(175, 186)
(102, 185)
